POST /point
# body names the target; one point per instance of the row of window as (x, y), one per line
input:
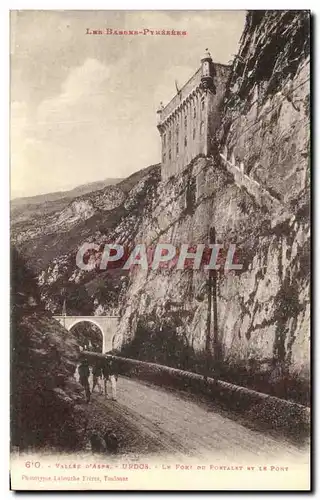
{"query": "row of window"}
(185, 142)
(185, 125)
(177, 135)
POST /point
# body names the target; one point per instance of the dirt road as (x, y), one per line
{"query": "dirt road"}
(151, 420)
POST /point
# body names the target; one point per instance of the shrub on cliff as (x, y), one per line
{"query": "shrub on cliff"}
(44, 394)
(159, 343)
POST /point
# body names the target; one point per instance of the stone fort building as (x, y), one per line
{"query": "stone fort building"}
(187, 124)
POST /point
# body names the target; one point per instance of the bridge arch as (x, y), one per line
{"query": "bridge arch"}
(88, 322)
(106, 324)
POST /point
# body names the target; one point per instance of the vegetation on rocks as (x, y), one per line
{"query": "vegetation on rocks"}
(46, 401)
(165, 343)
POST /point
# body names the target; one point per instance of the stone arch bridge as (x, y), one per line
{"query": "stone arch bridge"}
(106, 324)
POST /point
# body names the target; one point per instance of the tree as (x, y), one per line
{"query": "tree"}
(43, 360)
(78, 301)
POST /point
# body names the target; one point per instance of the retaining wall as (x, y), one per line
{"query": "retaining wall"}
(269, 410)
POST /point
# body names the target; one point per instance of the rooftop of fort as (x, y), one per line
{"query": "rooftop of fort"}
(190, 86)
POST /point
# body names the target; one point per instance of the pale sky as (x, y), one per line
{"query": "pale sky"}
(83, 107)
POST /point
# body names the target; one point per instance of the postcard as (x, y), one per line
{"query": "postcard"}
(160, 250)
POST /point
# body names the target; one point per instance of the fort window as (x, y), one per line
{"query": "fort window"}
(185, 142)
(170, 154)
(164, 157)
(170, 136)
(194, 112)
(185, 122)
(194, 133)
(202, 128)
(177, 132)
(177, 148)
(202, 103)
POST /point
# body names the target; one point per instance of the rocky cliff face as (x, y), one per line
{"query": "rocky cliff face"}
(45, 409)
(255, 192)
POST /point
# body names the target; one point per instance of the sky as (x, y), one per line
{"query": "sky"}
(83, 107)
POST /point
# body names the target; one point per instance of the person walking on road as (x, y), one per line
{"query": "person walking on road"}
(84, 373)
(110, 374)
(97, 376)
(105, 374)
(113, 379)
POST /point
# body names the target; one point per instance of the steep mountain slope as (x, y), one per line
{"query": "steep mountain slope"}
(23, 209)
(47, 235)
(45, 399)
(50, 243)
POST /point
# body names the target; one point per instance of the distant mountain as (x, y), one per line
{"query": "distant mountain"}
(58, 195)
(24, 209)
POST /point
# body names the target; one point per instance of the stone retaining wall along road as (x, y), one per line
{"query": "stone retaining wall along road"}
(270, 411)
